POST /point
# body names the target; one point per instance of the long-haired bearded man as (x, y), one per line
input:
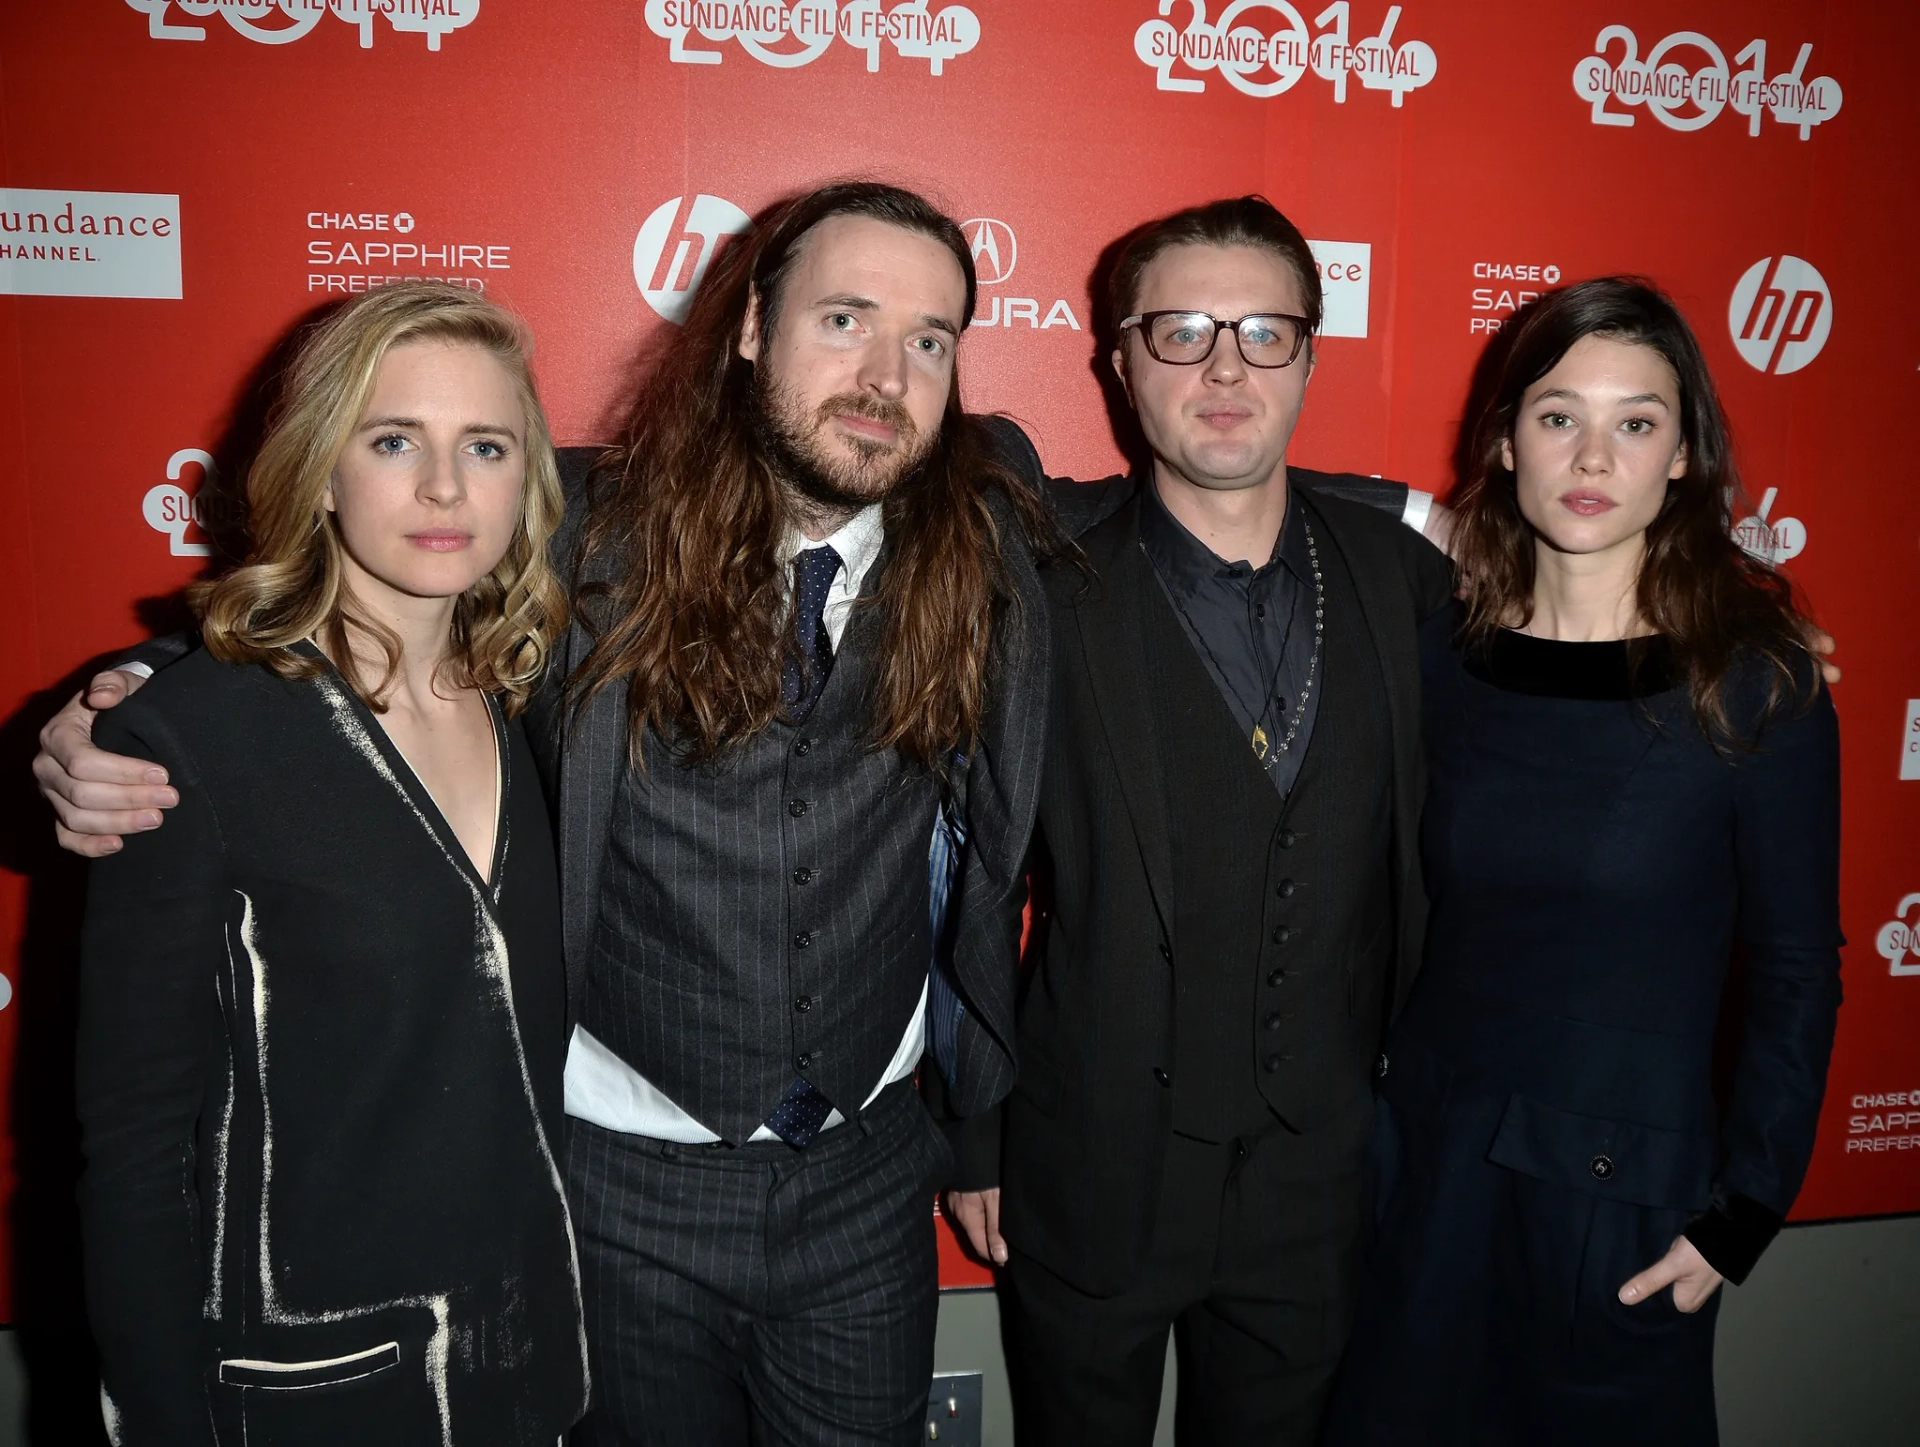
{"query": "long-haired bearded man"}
(791, 742)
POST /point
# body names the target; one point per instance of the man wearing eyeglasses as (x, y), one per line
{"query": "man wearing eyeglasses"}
(1229, 906)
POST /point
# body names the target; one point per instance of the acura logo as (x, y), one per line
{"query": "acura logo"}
(994, 249)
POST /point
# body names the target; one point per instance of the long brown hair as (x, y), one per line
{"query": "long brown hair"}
(1713, 601)
(685, 598)
(291, 586)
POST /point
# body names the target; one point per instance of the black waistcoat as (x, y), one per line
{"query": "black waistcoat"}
(1281, 962)
(767, 918)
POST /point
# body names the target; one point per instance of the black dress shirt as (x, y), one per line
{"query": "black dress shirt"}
(1252, 627)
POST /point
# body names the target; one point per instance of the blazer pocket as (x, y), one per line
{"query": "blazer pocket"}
(294, 1376)
(1611, 1159)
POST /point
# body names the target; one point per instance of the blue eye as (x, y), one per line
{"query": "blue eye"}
(489, 449)
(391, 444)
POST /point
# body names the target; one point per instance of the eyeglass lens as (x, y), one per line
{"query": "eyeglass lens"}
(1187, 337)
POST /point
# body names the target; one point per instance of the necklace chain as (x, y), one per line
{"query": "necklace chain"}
(1267, 754)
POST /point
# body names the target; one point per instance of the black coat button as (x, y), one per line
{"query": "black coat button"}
(1287, 837)
(797, 807)
(1276, 978)
(803, 939)
(1380, 1066)
(805, 1062)
(1285, 888)
(1273, 1020)
(1162, 1076)
(1274, 1062)
(1601, 1166)
(803, 1004)
(803, 876)
(1166, 951)
(1282, 935)
(803, 748)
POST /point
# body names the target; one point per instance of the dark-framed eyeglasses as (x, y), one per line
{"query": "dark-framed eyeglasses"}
(1185, 339)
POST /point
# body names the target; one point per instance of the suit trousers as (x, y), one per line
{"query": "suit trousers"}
(761, 1294)
(1253, 1264)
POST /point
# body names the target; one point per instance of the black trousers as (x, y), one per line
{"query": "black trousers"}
(1253, 1265)
(759, 1294)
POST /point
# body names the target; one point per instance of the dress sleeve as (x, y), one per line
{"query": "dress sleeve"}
(1786, 822)
(149, 1015)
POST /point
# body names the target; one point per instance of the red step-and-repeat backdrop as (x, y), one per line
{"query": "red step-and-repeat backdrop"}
(184, 179)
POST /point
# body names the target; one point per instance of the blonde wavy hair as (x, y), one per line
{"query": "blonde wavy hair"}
(291, 586)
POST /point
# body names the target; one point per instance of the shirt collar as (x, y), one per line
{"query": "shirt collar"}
(1185, 562)
(857, 542)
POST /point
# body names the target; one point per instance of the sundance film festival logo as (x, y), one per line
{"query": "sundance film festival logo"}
(1685, 82)
(789, 35)
(1780, 314)
(1899, 938)
(1771, 540)
(676, 245)
(169, 508)
(1263, 48)
(280, 22)
(1910, 742)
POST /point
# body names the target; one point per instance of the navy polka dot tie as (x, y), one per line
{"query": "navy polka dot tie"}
(804, 673)
(802, 1109)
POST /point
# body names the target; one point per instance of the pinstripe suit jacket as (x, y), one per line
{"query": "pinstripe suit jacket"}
(583, 751)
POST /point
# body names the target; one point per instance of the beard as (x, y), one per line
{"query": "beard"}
(794, 441)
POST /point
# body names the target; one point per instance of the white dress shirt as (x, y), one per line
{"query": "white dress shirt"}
(603, 1088)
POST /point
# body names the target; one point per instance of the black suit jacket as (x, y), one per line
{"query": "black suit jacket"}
(1096, 1014)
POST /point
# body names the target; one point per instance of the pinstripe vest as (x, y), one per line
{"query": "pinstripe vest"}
(767, 917)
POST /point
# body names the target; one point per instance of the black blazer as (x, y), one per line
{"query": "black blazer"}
(1080, 1196)
(582, 758)
(319, 1088)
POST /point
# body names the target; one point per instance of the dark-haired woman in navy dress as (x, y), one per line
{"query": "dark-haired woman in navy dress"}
(1635, 769)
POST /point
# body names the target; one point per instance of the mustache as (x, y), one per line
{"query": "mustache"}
(869, 408)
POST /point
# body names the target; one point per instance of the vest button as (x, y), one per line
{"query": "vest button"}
(803, 1004)
(1274, 1062)
(1285, 888)
(1276, 978)
(803, 876)
(1601, 1166)
(1287, 837)
(803, 748)
(1282, 935)
(1273, 1020)
(805, 1062)
(1162, 1076)
(1380, 1067)
(797, 807)
(803, 939)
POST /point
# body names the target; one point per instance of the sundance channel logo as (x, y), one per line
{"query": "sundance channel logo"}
(1263, 48)
(89, 243)
(1685, 83)
(281, 22)
(787, 36)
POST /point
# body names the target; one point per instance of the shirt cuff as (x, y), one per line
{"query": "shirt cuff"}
(1419, 506)
(1733, 1233)
(136, 668)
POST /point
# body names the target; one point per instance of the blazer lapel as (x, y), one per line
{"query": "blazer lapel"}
(1111, 624)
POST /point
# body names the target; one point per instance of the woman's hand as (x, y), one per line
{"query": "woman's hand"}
(1684, 1269)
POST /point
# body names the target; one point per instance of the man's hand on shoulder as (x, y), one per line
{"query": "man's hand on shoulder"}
(97, 797)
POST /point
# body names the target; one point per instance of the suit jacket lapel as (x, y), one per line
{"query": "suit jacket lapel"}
(1112, 635)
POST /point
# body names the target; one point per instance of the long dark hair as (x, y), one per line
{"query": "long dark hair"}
(1713, 601)
(688, 514)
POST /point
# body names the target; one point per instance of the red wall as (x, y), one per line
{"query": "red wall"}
(277, 154)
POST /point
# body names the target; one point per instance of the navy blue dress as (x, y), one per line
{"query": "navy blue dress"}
(1548, 1122)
